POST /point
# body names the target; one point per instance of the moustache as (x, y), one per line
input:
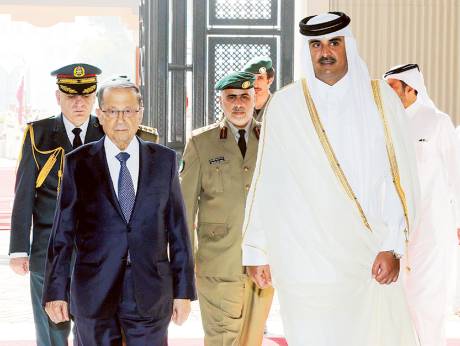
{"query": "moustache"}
(237, 109)
(327, 60)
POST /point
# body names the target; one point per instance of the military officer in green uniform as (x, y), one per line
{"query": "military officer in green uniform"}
(38, 179)
(216, 173)
(262, 68)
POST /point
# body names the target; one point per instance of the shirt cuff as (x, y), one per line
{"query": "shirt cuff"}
(18, 254)
(253, 256)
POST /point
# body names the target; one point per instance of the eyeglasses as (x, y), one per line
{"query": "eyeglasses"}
(114, 113)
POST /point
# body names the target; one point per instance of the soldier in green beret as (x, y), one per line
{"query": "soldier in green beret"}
(262, 68)
(216, 173)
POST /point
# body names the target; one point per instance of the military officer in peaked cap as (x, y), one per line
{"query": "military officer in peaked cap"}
(262, 68)
(216, 173)
(38, 181)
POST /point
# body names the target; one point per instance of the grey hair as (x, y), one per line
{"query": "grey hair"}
(119, 82)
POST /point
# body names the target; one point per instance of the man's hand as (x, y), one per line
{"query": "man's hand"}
(57, 310)
(181, 310)
(386, 268)
(20, 265)
(261, 275)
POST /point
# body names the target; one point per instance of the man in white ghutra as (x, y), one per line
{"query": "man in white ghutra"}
(333, 198)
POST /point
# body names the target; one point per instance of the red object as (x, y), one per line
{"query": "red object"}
(73, 77)
(196, 342)
(21, 101)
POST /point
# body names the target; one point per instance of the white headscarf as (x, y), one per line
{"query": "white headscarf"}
(414, 78)
(361, 91)
(359, 98)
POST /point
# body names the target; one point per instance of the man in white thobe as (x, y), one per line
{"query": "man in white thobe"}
(323, 215)
(430, 284)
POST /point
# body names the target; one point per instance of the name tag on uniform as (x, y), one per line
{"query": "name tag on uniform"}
(216, 160)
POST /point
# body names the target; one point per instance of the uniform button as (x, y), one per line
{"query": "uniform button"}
(247, 187)
(128, 228)
(246, 169)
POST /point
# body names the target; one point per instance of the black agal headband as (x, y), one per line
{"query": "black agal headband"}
(401, 69)
(324, 28)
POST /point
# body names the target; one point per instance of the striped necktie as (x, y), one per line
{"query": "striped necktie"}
(126, 194)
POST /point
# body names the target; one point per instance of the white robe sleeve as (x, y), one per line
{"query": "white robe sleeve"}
(450, 148)
(393, 216)
(254, 238)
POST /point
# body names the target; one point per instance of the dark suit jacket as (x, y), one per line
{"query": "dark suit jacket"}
(88, 215)
(37, 205)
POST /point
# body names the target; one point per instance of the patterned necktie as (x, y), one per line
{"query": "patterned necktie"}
(242, 142)
(77, 139)
(126, 194)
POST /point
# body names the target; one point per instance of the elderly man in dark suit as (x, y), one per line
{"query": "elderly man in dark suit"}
(38, 181)
(122, 209)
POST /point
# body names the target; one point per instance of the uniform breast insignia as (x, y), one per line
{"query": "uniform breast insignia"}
(216, 160)
(257, 132)
(223, 132)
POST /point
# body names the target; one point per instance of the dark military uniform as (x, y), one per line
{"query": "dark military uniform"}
(38, 176)
(37, 204)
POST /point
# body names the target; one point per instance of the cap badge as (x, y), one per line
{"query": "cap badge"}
(246, 84)
(262, 69)
(78, 71)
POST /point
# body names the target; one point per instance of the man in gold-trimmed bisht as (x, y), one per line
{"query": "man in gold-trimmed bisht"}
(333, 198)
(433, 244)
(38, 179)
(216, 173)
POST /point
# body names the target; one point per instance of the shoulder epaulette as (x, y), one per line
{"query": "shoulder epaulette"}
(204, 129)
(223, 132)
(148, 129)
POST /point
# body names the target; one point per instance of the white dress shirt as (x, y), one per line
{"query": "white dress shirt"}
(69, 127)
(235, 130)
(111, 150)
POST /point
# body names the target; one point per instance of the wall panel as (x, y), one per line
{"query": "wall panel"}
(391, 32)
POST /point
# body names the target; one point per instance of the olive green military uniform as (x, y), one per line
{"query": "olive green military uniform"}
(259, 113)
(258, 65)
(215, 181)
(149, 134)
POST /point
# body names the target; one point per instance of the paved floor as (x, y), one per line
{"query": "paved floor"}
(16, 324)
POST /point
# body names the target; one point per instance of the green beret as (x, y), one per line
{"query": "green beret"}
(259, 64)
(77, 79)
(236, 80)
